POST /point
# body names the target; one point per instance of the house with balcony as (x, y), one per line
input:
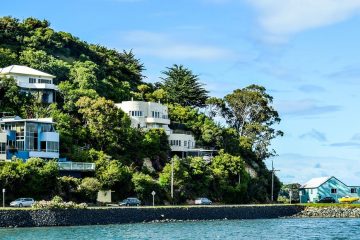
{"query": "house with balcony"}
(148, 115)
(27, 138)
(32, 81)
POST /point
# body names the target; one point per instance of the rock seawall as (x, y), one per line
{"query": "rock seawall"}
(77, 217)
(329, 212)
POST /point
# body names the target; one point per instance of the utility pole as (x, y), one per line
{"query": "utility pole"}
(172, 180)
(272, 180)
(3, 192)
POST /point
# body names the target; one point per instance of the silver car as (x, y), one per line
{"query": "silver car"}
(203, 201)
(22, 202)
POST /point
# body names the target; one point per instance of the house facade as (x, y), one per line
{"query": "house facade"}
(32, 81)
(318, 188)
(148, 115)
(27, 138)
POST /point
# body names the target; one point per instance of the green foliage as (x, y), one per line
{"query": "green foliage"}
(183, 87)
(91, 78)
(35, 178)
(143, 186)
(89, 188)
(11, 99)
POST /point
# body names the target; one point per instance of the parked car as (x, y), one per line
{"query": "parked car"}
(348, 199)
(130, 202)
(22, 202)
(203, 201)
(326, 200)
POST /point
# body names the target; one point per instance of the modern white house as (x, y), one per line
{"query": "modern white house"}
(32, 81)
(148, 115)
(26, 138)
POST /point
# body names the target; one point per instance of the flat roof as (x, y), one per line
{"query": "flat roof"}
(18, 119)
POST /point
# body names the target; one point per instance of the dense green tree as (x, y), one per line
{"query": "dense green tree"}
(99, 116)
(250, 112)
(143, 186)
(7, 57)
(89, 188)
(183, 87)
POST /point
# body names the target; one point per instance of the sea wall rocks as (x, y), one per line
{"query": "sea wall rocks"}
(329, 212)
(97, 216)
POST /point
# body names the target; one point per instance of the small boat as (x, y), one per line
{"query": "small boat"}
(348, 199)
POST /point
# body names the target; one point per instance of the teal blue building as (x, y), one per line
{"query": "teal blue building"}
(318, 188)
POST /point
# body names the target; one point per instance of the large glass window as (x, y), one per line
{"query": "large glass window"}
(32, 137)
(52, 146)
(32, 80)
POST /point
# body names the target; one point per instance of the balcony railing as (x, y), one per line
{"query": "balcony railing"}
(76, 166)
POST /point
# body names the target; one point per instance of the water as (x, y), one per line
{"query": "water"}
(234, 229)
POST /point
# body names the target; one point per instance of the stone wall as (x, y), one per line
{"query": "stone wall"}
(96, 216)
(329, 212)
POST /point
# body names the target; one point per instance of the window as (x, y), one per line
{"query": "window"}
(44, 81)
(333, 190)
(32, 80)
(155, 114)
(185, 143)
(52, 146)
(353, 190)
(311, 191)
(2, 148)
(31, 137)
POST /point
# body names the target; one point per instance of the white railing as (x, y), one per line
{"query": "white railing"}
(76, 166)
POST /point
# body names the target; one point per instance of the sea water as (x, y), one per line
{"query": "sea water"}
(304, 228)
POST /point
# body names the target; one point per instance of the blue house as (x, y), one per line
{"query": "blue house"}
(318, 188)
(27, 138)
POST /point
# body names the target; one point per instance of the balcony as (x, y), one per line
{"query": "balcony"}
(37, 85)
(50, 155)
(164, 121)
(76, 166)
(49, 136)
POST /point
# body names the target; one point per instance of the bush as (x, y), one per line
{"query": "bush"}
(57, 203)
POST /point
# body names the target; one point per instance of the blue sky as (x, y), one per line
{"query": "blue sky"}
(304, 52)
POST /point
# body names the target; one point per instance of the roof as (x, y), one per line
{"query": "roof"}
(315, 182)
(24, 70)
(19, 119)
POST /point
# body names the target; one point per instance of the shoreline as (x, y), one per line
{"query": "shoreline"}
(105, 216)
(11, 218)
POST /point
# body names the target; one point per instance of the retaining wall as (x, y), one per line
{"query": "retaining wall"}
(93, 216)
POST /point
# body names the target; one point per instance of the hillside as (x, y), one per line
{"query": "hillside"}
(91, 78)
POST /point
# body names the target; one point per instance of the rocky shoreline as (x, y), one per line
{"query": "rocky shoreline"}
(102, 216)
(328, 212)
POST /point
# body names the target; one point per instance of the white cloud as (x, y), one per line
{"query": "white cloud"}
(282, 18)
(167, 47)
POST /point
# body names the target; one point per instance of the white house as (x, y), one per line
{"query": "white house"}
(147, 115)
(33, 81)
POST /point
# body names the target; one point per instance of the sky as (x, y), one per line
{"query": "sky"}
(305, 52)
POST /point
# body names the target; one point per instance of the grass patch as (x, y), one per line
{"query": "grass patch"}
(338, 205)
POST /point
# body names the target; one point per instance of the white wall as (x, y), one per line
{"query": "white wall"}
(146, 120)
(189, 139)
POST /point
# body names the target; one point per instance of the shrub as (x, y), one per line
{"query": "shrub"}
(57, 203)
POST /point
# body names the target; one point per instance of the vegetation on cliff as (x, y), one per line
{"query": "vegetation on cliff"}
(91, 79)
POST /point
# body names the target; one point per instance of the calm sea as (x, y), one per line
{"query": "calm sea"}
(237, 229)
